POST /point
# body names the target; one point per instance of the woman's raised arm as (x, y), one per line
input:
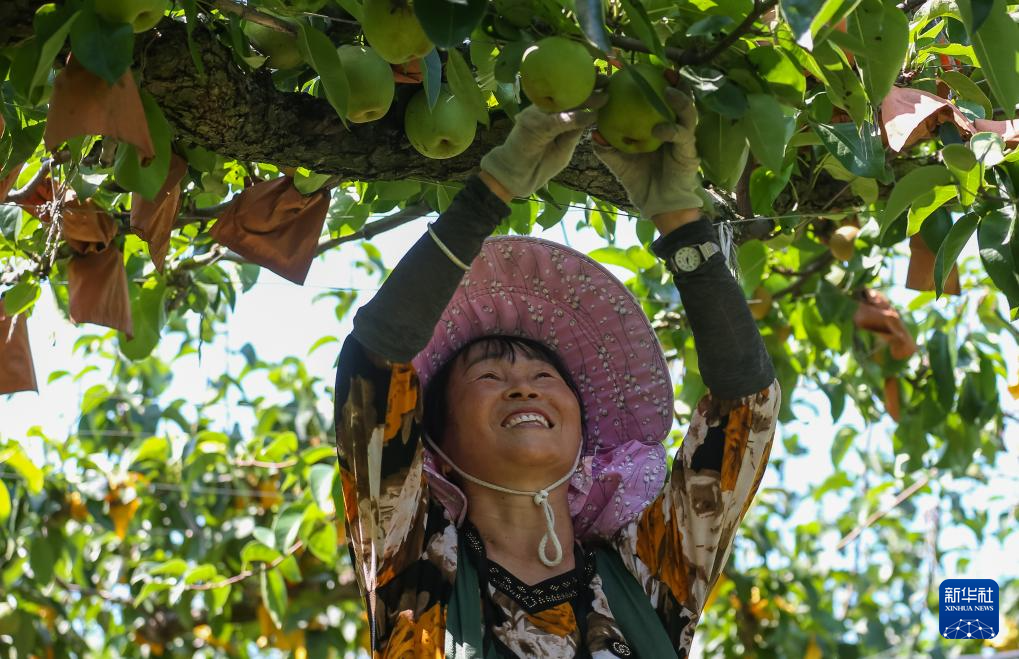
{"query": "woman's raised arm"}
(377, 393)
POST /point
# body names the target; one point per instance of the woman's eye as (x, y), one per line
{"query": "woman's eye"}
(492, 376)
(544, 374)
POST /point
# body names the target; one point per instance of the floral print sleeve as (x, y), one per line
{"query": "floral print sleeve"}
(678, 546)
(384, 490)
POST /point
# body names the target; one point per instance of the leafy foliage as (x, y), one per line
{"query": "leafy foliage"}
(208, 539)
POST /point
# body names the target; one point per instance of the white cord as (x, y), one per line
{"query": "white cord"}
(445, 250)
(727, 240)
(540, 498)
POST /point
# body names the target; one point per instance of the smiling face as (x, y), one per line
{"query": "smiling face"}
(511, 417)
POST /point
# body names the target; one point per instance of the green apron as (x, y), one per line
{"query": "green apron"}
(637, 620)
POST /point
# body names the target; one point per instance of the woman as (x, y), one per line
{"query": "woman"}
(500, 433)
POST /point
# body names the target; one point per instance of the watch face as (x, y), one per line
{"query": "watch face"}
(687, 259)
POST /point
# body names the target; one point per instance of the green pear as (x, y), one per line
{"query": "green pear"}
(393, 30)
(557, 74)
(141, 14)
(281, 48)
(442, 132)
(627, 119)
(371, 83)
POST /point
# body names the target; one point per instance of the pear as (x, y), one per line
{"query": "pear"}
(141, 14)
(760, 305)
(626, 121)
(280, 47)
(442, 132)
(842, 243)
(393, 30)
(557, 74)
(371, 83)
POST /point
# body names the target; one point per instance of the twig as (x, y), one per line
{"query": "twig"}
(19, 195)
(255, 16)
(759, 9)
(817, 266)
(372, 229)
(241, 576)
(905, 494)
(629, 43)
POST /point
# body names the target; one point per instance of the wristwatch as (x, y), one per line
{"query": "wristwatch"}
(690, 257)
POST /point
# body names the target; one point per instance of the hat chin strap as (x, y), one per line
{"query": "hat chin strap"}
(539, 497)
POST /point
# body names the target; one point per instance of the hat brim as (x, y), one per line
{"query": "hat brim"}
(533, 288)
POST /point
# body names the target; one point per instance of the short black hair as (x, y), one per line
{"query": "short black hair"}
(436, 402)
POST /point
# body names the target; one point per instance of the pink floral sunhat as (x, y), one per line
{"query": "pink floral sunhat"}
(522, 286)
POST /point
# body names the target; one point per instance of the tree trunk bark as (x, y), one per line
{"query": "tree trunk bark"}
(242, 115)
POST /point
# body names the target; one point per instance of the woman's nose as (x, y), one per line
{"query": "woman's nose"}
(521, 389)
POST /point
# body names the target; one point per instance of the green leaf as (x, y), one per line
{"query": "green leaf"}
(322, 544)
(782, 75)
(274, 595)
(24, 141)
(995, 39)
(968, 90)
(643, 27)
(728, 101)
(964, 166)
(20, 297)
(287, 525)
(201, 573)
(190, 19)
(5, 502)
(308, 182)
(174, 567)
(320, 53)
(146, 180)
(988, 147)
(841, 444)
(105, 49)
(723, 149)
(41, 558)
(993, 238)
(447, 23)
(768, 130)
(752, 258)
(857, 148)
(591, 16)
(942, 365)
(840, 80)
(432, 74)
(615, 256)
(927, 204)
(709, 26)
(52, 42)
(152, 448)
(804, 17)
(883, 31)
(464, 87)
(950, 249)
(148, 315)
(915, 184)
(150, 589)
(33, 475)
(320, 480)
(256, 551)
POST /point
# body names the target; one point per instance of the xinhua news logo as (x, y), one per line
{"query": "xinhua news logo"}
(969, 608)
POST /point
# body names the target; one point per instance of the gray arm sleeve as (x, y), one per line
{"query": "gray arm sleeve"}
(398, 322)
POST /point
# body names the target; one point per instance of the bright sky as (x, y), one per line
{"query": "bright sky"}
(280, 319)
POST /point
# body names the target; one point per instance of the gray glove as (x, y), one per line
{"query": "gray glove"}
(540, 146)
(665, 179)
